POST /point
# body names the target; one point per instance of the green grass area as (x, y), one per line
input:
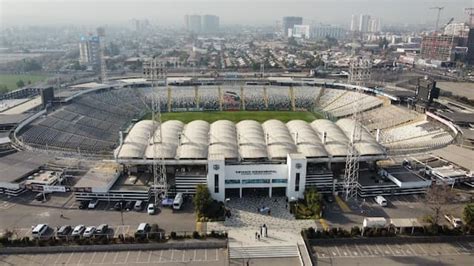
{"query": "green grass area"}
(10, 80)
(236, 116)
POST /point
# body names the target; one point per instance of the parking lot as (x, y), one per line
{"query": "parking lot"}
(403, 206)
(20, 213)
(147, 257)
(113, 231)
(384, 250)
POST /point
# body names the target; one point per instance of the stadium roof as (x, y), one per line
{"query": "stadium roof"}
(247, 140)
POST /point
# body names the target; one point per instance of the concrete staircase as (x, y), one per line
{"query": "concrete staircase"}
(263, 252)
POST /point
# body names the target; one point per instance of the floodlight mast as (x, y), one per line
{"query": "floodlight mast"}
(160, 184)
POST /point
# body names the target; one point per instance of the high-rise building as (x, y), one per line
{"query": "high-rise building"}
(89, 52)
(374, 25)
(300, 31)
(193, 23)
(322, 31)
(289, 23)
(439, 47)
(210, 24)
(457, 29)
(470, 47)
(355, 23)
(364, 23)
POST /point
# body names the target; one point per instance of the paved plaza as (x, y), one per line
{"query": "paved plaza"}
(245, 215)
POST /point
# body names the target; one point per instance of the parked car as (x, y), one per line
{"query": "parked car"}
(93, 203)
(178, 201)
(90, 231)
(329, 198)
(129, 205)
(43, 196)
(142, 230)
(64, 230)
(138, 205)
(381, 201)
(83, 204)
(151, 208)
(39, 230)
(78, 230)
(102, 229)
(118, 206)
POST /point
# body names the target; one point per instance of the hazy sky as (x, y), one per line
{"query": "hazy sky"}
(171, 12)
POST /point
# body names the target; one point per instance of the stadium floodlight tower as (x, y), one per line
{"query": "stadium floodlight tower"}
(103, 66)
(359, 74)
(155, 72)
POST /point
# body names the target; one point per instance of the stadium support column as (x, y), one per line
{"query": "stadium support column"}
(221, 99)
(242, 98)
(196, 96)
(169, 99)
(296, 185)
(292, 98)
(216, 176)
(265, 97)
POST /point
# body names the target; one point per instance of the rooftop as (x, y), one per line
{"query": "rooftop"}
(246, 139)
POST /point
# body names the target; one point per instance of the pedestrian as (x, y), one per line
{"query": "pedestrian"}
(269, 212)
(258, 237)
(261, 230)
(264, 230)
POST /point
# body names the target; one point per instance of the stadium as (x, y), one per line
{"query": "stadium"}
(268, 137)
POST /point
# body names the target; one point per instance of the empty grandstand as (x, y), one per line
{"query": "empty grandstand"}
(90, 124)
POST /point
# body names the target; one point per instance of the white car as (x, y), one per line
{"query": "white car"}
(93, 204)
(78, 230)
(151, 208)
(89, 231)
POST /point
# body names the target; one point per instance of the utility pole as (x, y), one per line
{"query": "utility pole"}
(439, 8)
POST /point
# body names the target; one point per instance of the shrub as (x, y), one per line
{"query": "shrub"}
(173, 235)
(355, 231)
(196, 235)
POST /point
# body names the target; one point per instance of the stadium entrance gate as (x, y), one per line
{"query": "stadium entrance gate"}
(232, 192)
(279, 192)
(256, 192)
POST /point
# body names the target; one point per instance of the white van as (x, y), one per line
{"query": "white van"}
(381, 201)
(178, 201)
(39, 230)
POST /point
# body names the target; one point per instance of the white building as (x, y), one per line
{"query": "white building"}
(89, 52)
(364, 23)
(300, 31)
(374, 25)
(457, 29)
(320, 32)
(355, 23)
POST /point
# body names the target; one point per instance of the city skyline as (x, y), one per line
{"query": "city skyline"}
(231, 12)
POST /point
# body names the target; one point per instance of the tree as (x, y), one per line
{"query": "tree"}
(3, 89)
(468, 214)
(437, 197)
(202, 199)
(20, 83)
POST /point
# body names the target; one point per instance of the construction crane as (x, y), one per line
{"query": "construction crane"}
(470, 12)
(447, 24)
(439, 8)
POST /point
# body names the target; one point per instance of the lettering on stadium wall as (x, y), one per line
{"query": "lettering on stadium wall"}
(257, 172)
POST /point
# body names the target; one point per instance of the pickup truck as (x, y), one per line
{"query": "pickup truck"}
(455, 222)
